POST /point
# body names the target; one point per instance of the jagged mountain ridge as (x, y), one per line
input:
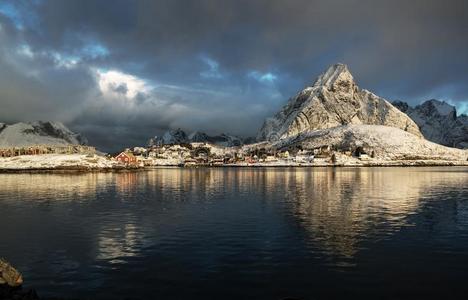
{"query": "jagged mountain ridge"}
(178, 136)
(38, 133)
(333, 100)
(438, 122)
(223, 139)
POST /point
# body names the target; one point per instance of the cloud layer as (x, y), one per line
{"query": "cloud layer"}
(121, 71)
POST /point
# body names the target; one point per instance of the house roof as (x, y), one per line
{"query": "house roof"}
(128, 154)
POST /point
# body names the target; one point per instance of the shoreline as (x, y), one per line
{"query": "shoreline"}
(126, 169)
(68, 170)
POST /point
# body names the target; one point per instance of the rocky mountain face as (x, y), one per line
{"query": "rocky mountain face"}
(438, 122)
(199, 137)
(223, 139)
(333, 100)
(178, 136)
(38, 133)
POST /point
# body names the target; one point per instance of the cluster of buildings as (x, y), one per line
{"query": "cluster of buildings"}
(177, 155)
(205, 154)
(46, 149)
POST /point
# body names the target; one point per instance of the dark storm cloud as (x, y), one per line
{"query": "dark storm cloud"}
(218, 65)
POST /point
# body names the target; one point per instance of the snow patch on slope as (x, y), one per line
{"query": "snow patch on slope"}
(388, 143)
(38, 133)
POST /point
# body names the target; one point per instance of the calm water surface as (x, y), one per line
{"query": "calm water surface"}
(322, 233)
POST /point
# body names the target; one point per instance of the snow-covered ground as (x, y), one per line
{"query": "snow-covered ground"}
(388, 143)
(390, 146)
(168, 162)
(83, 162)
(57, 161)
(346, 161)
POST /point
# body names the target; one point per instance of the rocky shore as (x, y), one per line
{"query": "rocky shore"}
(68, 170)
(353, 163)
(18, 293)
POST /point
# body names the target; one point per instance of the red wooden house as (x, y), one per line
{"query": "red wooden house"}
(126, 158)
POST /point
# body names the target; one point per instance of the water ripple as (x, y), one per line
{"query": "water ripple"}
(242, 233)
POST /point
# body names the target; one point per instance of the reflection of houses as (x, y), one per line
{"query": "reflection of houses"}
(126, 181)
(46, 149)
(339, 207)
(126, 158)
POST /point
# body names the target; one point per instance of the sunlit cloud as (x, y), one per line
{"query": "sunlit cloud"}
(117, 83)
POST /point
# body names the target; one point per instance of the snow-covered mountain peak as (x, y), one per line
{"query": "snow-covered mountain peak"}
(438, 122)
(175, 136)
(337, 76)
(441, 107)
(334, 100)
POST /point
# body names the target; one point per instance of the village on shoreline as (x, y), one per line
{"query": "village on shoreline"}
(76, 158)
(261, 155)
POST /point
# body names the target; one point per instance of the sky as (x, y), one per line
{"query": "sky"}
(120, 72)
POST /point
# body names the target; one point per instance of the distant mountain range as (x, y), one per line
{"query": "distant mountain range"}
(178, 136)
(38, 133)
(438, 122)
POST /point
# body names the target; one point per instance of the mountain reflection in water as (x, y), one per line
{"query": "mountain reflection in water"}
(238, 233)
